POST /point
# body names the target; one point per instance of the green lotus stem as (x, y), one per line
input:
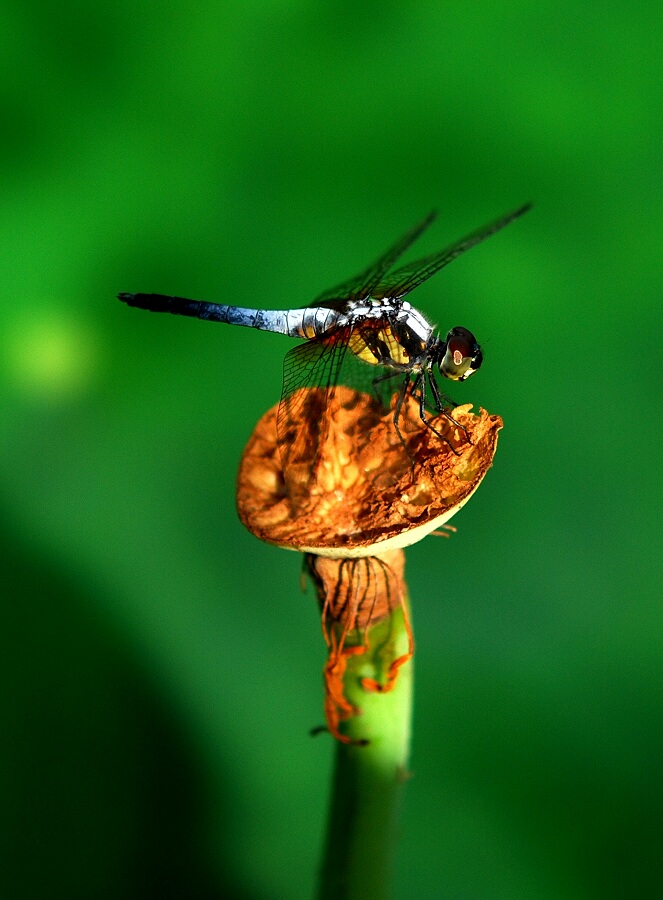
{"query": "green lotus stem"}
(368, 780)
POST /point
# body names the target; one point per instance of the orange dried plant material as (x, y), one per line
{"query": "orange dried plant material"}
(354, 596)
(349, 489)
(339, 485)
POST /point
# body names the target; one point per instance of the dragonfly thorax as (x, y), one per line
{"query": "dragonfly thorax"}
(390, 333)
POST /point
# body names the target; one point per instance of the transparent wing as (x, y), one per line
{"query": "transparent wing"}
(361, 286)
(400, 282)
(313, 364)
(311, 373)
(325, 363)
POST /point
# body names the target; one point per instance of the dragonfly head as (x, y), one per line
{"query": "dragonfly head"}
(460, 355)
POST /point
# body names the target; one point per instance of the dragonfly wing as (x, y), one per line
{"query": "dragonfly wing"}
(361, 286)
(310, 374)
(348, 357)
(400, 282)
(314, 364)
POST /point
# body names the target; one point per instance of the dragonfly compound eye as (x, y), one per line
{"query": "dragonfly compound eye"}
(462, 356)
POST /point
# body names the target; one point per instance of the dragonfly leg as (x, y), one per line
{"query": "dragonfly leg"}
(422, 415)
(402, 394)
(442, 407)
(380, 379)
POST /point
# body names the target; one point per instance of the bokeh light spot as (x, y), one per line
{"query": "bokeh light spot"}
(50, 354)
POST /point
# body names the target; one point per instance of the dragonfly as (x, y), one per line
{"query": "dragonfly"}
(367, 319)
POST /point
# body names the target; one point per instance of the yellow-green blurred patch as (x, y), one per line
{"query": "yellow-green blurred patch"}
(49, 354)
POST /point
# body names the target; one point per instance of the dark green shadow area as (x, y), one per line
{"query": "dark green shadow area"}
(102, 796)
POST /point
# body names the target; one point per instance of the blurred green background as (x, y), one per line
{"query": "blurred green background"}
(160, 667)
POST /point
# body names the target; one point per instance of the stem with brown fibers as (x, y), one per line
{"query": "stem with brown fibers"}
(368, 777)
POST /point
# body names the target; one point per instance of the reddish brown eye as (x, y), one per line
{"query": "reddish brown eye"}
(460, 348)
(462, 355)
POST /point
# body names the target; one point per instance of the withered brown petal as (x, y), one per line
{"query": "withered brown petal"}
(356, 492)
